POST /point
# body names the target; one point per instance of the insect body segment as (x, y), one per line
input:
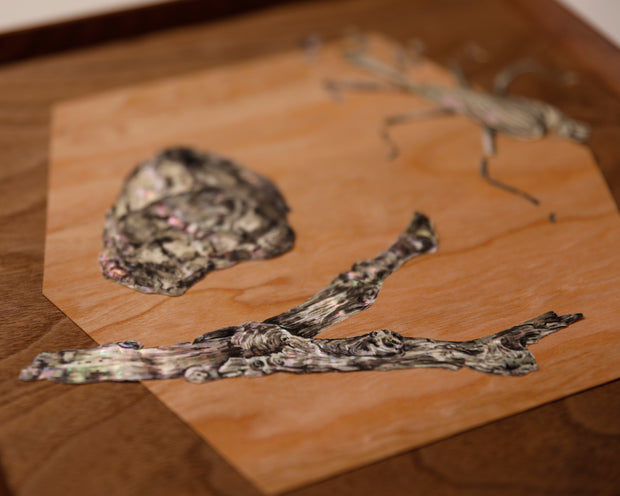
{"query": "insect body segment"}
(495, 112)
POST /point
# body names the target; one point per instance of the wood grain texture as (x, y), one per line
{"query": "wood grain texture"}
(347, 202)
(96, 29)
(103, 441)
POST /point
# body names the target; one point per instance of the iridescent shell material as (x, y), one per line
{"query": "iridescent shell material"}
(288, 342)
(184, 213)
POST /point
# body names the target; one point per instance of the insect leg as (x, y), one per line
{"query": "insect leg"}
(355, 40)
(335, 87)
(457, 71)
(509, 74)
(394, 120)
(471, 51)
(489, 146)
(489, 149)
(410, 55)
(311, 46)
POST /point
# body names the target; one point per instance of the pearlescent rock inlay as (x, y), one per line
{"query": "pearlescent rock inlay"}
(184, 213)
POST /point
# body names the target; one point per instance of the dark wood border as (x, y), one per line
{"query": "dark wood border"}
(593, 50)
(42, 40)
(120, 439)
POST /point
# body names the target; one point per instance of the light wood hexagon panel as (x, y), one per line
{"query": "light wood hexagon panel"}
(500, 260)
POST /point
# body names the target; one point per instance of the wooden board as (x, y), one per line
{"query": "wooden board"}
(500, 260)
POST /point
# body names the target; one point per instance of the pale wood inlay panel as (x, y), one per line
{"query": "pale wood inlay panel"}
(500, 260)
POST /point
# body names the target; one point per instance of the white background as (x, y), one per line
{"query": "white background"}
(19, 14)
(604, 15)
